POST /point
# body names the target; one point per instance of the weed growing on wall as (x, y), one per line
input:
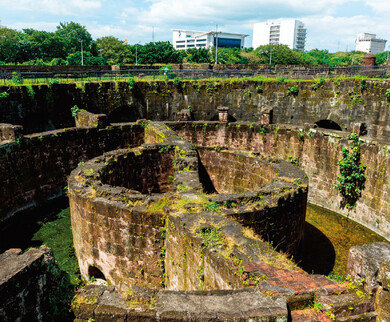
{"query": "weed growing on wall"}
(16, 78)
(352, 179)
(318, 84)
(75, 109)
(131, 83)
(3, 95)
(388, 94)
(293, 90)
(259, 89)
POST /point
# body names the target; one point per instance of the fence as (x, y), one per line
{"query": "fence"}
(154, 74)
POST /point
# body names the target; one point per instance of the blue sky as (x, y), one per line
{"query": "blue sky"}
(331, 24)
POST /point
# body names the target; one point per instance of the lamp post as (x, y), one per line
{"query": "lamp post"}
(82, 53)
(136, 52)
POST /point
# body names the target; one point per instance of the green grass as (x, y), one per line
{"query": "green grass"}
(57, 234)
(49, 81)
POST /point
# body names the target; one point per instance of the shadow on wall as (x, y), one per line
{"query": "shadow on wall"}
(124, 113)
(328, 124)
(317, 254)
(230, 118)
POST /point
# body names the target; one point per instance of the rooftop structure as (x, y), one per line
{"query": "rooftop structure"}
(185, 39)
(288, 32)
(368, 43)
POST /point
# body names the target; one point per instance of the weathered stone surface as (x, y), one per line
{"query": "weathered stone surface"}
(9, 132)
(87, 119)
(37, 167)
(243, 305)
(382, 300)
(365, 261)
(27, 285)
(317, 152)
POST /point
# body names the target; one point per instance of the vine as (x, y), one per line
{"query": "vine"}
(351, 180)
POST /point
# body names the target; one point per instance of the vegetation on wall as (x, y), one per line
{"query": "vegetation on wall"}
(351, 180)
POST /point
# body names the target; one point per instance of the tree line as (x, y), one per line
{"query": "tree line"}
(63, 47)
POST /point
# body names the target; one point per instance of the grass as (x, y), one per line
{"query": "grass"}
(48, 81)
(57, 234)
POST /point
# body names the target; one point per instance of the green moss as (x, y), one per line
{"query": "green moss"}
(57, 234)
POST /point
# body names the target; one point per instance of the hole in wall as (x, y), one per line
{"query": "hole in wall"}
(328, 124)
(363, 129)
(93, 271)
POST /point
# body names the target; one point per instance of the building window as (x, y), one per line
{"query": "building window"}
(227, 42)
(180, 46)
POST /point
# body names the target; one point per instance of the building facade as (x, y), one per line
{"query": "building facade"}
(369, 43)
(288, 32)
(185, 39)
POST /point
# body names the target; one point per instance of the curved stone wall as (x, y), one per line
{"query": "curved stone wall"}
(155, 239)
(317, 151)
(35, 168)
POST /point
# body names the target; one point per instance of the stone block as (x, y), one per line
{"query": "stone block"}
(87, 119)
(223, 114)
(10, 132)
(365, 261)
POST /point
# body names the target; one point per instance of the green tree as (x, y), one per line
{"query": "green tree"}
(281, 55)
(161, 52)
(8, 44)
(89, 59)
(197, 55)
(74, 34)
(114, 51)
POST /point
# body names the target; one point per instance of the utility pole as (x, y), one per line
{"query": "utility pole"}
(153, 34)
(136, 53)
(82, 53)
(270, 58)
(216, 44)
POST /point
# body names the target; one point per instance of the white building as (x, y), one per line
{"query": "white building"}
(369, 43)
(185, 39)
(288, 32)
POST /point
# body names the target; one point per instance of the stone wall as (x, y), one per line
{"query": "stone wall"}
(317, 152)
(35, 168)
(29, 288)
(343, 101)
(234, 172)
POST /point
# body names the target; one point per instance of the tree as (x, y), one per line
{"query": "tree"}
(197, 55)
(115, 51)
(74, 34)
(281, 55)
(89, 59)
(8, 44)
(161, 52)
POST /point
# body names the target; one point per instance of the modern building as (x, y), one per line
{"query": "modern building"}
(369, 43)
(288, 32)
(185, 39)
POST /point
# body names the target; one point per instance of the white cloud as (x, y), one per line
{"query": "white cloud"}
(55, 7)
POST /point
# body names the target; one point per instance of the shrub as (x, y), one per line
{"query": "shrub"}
(75, 109)
(363, 84)
(351, 180)
(280, 80)
(131, 82)
(318, 84)
(176, 81)
(293, 90)
(3, 95)
(16, 78)
(259, 89)
(388, 94)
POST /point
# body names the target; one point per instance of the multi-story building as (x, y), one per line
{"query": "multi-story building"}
(288, 32)
(369, 43)
(185, 39)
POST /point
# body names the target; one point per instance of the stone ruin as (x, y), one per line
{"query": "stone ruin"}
(175, 225)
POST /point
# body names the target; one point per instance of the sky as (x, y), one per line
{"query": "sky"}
(331, 24)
